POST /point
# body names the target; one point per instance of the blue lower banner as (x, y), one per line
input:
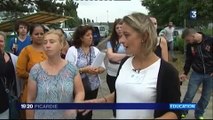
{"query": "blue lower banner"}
(104, 106)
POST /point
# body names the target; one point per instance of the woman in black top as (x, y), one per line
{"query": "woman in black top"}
(7, 78)
(161, 48)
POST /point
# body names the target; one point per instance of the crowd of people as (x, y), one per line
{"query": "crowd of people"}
(41, 67)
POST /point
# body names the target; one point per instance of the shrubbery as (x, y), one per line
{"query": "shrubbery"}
(208, 32)
(179, 44)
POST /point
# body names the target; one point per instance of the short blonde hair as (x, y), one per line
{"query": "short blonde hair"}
(144, 26)
(59, 34)
(3, 34)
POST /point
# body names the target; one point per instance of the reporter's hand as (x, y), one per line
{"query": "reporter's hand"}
(183, 77)
(85, 111)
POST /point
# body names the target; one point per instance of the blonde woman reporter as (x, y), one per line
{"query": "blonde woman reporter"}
(143, 77)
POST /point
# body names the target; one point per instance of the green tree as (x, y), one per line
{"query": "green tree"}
(70, 10)
(163, 10)
(178, 10)
(49, 6)
(17, 8)
(12, 9)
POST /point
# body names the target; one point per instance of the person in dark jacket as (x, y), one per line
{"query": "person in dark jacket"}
(143, 77)
(9, 84)
(199, 56)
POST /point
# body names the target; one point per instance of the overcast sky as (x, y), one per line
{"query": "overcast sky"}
(108, 10)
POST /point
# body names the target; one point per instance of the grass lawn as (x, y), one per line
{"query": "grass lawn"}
(179, 63)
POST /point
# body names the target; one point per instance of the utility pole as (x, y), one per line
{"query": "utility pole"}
(107, 16)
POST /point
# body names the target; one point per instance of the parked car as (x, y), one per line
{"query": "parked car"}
(69, 33)
(178, 32)
(104, 30)
(96, 35)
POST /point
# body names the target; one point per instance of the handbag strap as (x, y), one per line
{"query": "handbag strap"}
(90, 60)
(4, 84)
(90, 56)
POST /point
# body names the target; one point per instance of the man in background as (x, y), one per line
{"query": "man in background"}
(20, 40)
(199, 56)
(167, 32)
